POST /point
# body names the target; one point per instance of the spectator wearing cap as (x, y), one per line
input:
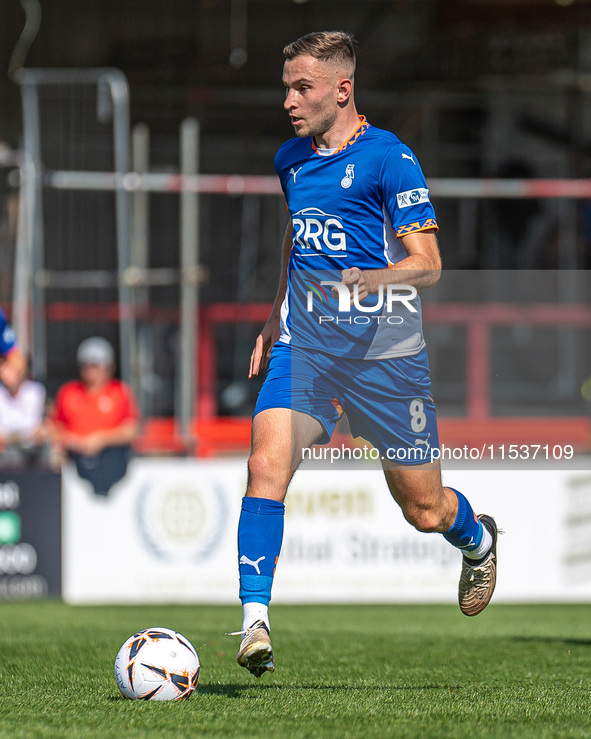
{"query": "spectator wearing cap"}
(95, 419)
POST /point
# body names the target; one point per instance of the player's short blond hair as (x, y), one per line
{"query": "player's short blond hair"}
(337, 47)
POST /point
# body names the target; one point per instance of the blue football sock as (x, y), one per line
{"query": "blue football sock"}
(466, 532)
(260, 534)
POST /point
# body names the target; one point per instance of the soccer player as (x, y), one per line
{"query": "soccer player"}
(345, 331)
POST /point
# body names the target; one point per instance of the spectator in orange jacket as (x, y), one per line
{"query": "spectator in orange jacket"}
(95, 419)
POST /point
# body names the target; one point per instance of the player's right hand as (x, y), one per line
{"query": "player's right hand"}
(256, 357)
(262, 348)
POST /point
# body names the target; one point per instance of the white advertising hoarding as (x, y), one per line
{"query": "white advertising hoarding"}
(167, 533)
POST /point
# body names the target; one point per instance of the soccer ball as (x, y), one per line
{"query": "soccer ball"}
(157, 665)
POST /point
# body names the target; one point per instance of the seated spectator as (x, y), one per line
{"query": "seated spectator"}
(23, 433)
(95, 419)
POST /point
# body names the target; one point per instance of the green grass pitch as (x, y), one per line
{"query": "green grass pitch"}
(341, 671)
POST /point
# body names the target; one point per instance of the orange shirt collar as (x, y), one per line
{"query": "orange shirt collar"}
(361, 129)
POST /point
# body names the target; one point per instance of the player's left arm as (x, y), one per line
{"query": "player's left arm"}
(421, 268)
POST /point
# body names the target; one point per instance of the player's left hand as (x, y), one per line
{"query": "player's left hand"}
(352, 277)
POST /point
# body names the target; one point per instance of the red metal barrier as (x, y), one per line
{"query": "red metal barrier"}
(479, 320)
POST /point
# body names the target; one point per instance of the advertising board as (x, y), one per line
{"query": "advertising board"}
(167, 533)
(30, 534)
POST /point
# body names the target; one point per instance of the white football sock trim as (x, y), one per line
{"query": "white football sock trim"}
(483, 548)
(253, 612)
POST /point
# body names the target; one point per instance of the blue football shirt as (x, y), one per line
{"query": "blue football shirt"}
(348, 209)
(7, 337)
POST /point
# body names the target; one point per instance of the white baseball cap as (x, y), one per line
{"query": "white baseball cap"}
(95, 350)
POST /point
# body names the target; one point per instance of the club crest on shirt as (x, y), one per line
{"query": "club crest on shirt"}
(347, 180)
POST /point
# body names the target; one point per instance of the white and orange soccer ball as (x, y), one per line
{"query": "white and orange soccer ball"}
(157, 664)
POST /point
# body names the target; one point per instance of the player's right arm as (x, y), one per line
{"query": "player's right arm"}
(271, 331)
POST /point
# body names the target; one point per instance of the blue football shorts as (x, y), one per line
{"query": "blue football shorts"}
(387, 402)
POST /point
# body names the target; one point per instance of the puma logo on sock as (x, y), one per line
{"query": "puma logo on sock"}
(244, 560)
